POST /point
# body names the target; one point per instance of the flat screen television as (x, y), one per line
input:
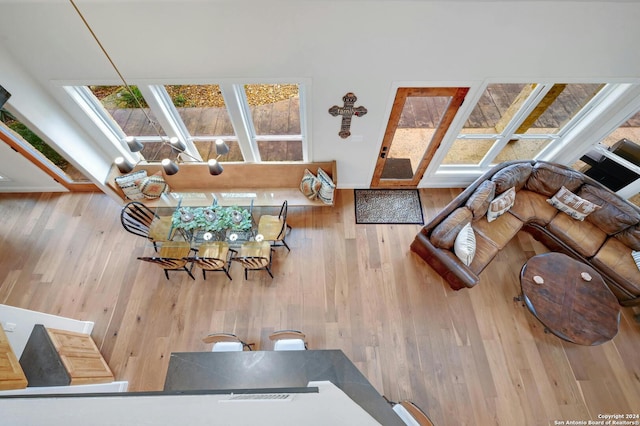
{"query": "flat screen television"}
(4, 96)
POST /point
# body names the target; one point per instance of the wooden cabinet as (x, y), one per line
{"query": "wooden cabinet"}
(11, 374)
(80, 357)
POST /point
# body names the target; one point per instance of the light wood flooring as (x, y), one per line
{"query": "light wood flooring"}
(472, 357)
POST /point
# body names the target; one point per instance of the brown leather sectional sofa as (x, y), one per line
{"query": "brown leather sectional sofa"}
(604, 239)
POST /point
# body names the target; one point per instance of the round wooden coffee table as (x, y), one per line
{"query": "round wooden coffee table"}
(569, 305)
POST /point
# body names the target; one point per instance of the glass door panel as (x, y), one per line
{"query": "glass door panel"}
(468, 151)
(419, 120)
(275, 115)
(521, 149)
(615, 161)
(561, 103)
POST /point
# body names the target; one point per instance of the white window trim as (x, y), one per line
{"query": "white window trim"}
(172, 124)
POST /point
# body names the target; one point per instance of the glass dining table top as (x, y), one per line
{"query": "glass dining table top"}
(199, 219)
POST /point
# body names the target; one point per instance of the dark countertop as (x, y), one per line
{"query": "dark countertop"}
(276, 369)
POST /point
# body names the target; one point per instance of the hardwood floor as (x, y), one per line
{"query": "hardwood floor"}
(472, 357)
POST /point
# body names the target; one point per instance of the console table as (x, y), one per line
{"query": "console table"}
(578, 310)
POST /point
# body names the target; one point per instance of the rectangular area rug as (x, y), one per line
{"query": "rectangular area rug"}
(388, 206)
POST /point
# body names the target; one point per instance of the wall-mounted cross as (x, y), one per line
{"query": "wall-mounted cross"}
(347, 111)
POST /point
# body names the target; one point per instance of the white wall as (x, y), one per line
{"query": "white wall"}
(328, 407)
(368, 47)
(18, 324)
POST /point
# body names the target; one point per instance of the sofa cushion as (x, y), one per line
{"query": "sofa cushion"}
(465, 244)
(569, 203)
(582, 236)
(479, 201)
(614, 260)
(615, 215)
(501, 204)
(444, 235)
(630, 237)
(533, 207)
(547, 179)
(500, 231)
(485, 252)
(514, 175)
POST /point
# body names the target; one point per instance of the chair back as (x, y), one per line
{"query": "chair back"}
(165, 263)
(136, 218)
(212, 256)
(283, 217)
(411, 414)
(253, 262)
(288, 340)
(226, 342)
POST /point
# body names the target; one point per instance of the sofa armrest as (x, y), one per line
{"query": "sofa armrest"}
(456, 273)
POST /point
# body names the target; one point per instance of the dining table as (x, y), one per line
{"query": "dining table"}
(199, 220)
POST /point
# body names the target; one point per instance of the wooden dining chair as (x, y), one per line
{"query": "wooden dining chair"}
(274, 228)
(288, 340)
(411, 414)
(140, 220)
(173, 256)
(254, 255)
(226, 342)
(214, 256)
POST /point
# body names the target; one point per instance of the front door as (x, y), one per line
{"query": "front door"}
(419, 119)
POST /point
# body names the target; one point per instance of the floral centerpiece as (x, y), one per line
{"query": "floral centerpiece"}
(212, 218)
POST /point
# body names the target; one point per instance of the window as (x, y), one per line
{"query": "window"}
(518, 121)
(259, 122)
(275, 119)
(615, 161)
(40, 150)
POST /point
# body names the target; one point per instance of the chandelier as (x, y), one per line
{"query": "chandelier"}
(169, 166)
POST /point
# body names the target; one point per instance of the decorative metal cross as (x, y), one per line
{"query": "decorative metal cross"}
(346, 112)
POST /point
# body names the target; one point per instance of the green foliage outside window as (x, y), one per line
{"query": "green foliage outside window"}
(33, 139)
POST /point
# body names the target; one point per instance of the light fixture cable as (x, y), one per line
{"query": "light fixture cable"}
(179, 148)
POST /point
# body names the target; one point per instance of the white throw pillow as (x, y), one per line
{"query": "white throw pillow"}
(636, 257)
(327, 189)
(501, 204)
(465, 245)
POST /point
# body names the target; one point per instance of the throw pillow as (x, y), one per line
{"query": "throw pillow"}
(153, 186)
(444, 235)
(501, 204)
(636, 257)
(465, 245)
(478, 203)
(129, 184)
(568, 202)
(310, 185)
(327, 188)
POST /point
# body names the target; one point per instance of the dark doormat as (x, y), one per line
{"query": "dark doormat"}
(390, 206)
(397, 168)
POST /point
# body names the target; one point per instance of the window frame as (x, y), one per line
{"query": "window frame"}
(172, 124)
